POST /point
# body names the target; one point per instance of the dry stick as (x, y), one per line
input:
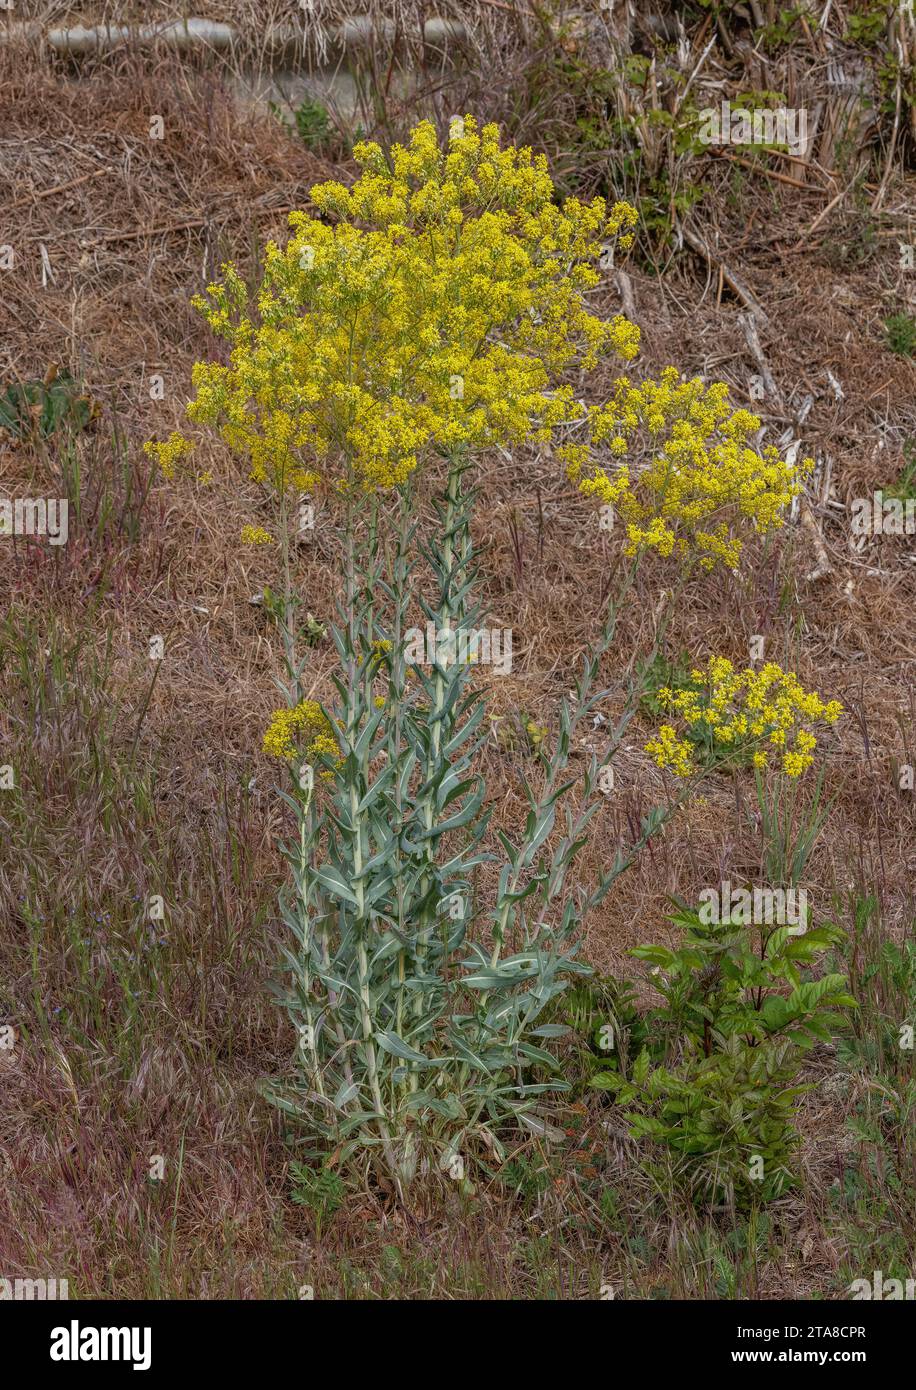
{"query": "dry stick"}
(771, 173)
(749, 324)
(180, 226)
(806, 512)
(59, 188)
(513, 9)
(808, 34)
(143, 710)
(821, 215)
(625, 288)
(773, 153)
(731, 279)
(823, 566)
(702, 59)
(145, 231)
(882, 187)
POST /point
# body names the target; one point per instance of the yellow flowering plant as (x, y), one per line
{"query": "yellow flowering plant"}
(256, 535)
(765, 713)
(169, 453)
(426, 313)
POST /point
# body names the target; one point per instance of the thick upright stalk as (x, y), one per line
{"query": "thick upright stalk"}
(288, 624)
(357, 710)
(453, 515)
(396, 693)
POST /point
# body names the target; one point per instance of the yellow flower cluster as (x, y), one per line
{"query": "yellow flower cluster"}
(428, 309)
(381, 653)
(169, 453)
(256, 535)
(768, 707)
(305, 724)
(670, 751)
(679, 468)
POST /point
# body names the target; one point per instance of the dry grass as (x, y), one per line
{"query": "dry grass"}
(134, 779)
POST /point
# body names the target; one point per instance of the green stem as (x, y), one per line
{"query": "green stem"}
(288, 626)
(358, 781)
(445, 613)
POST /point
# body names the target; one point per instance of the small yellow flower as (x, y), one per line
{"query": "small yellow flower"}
(256, 535)
(169, 453)
(537, 735)
(306, 723)
(671, 752)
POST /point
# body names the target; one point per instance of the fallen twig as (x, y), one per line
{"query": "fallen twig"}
(823, 566)
(749, 324)
(769, 173)
(190, 224)
(58, 188)
(821, 215)
(734, 282)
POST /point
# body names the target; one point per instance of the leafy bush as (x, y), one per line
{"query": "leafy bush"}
(44, 408)
(715, 1081)
(320, 1189)
(312, 123)
(904, 488)
(901, 334)
(601, 1013)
